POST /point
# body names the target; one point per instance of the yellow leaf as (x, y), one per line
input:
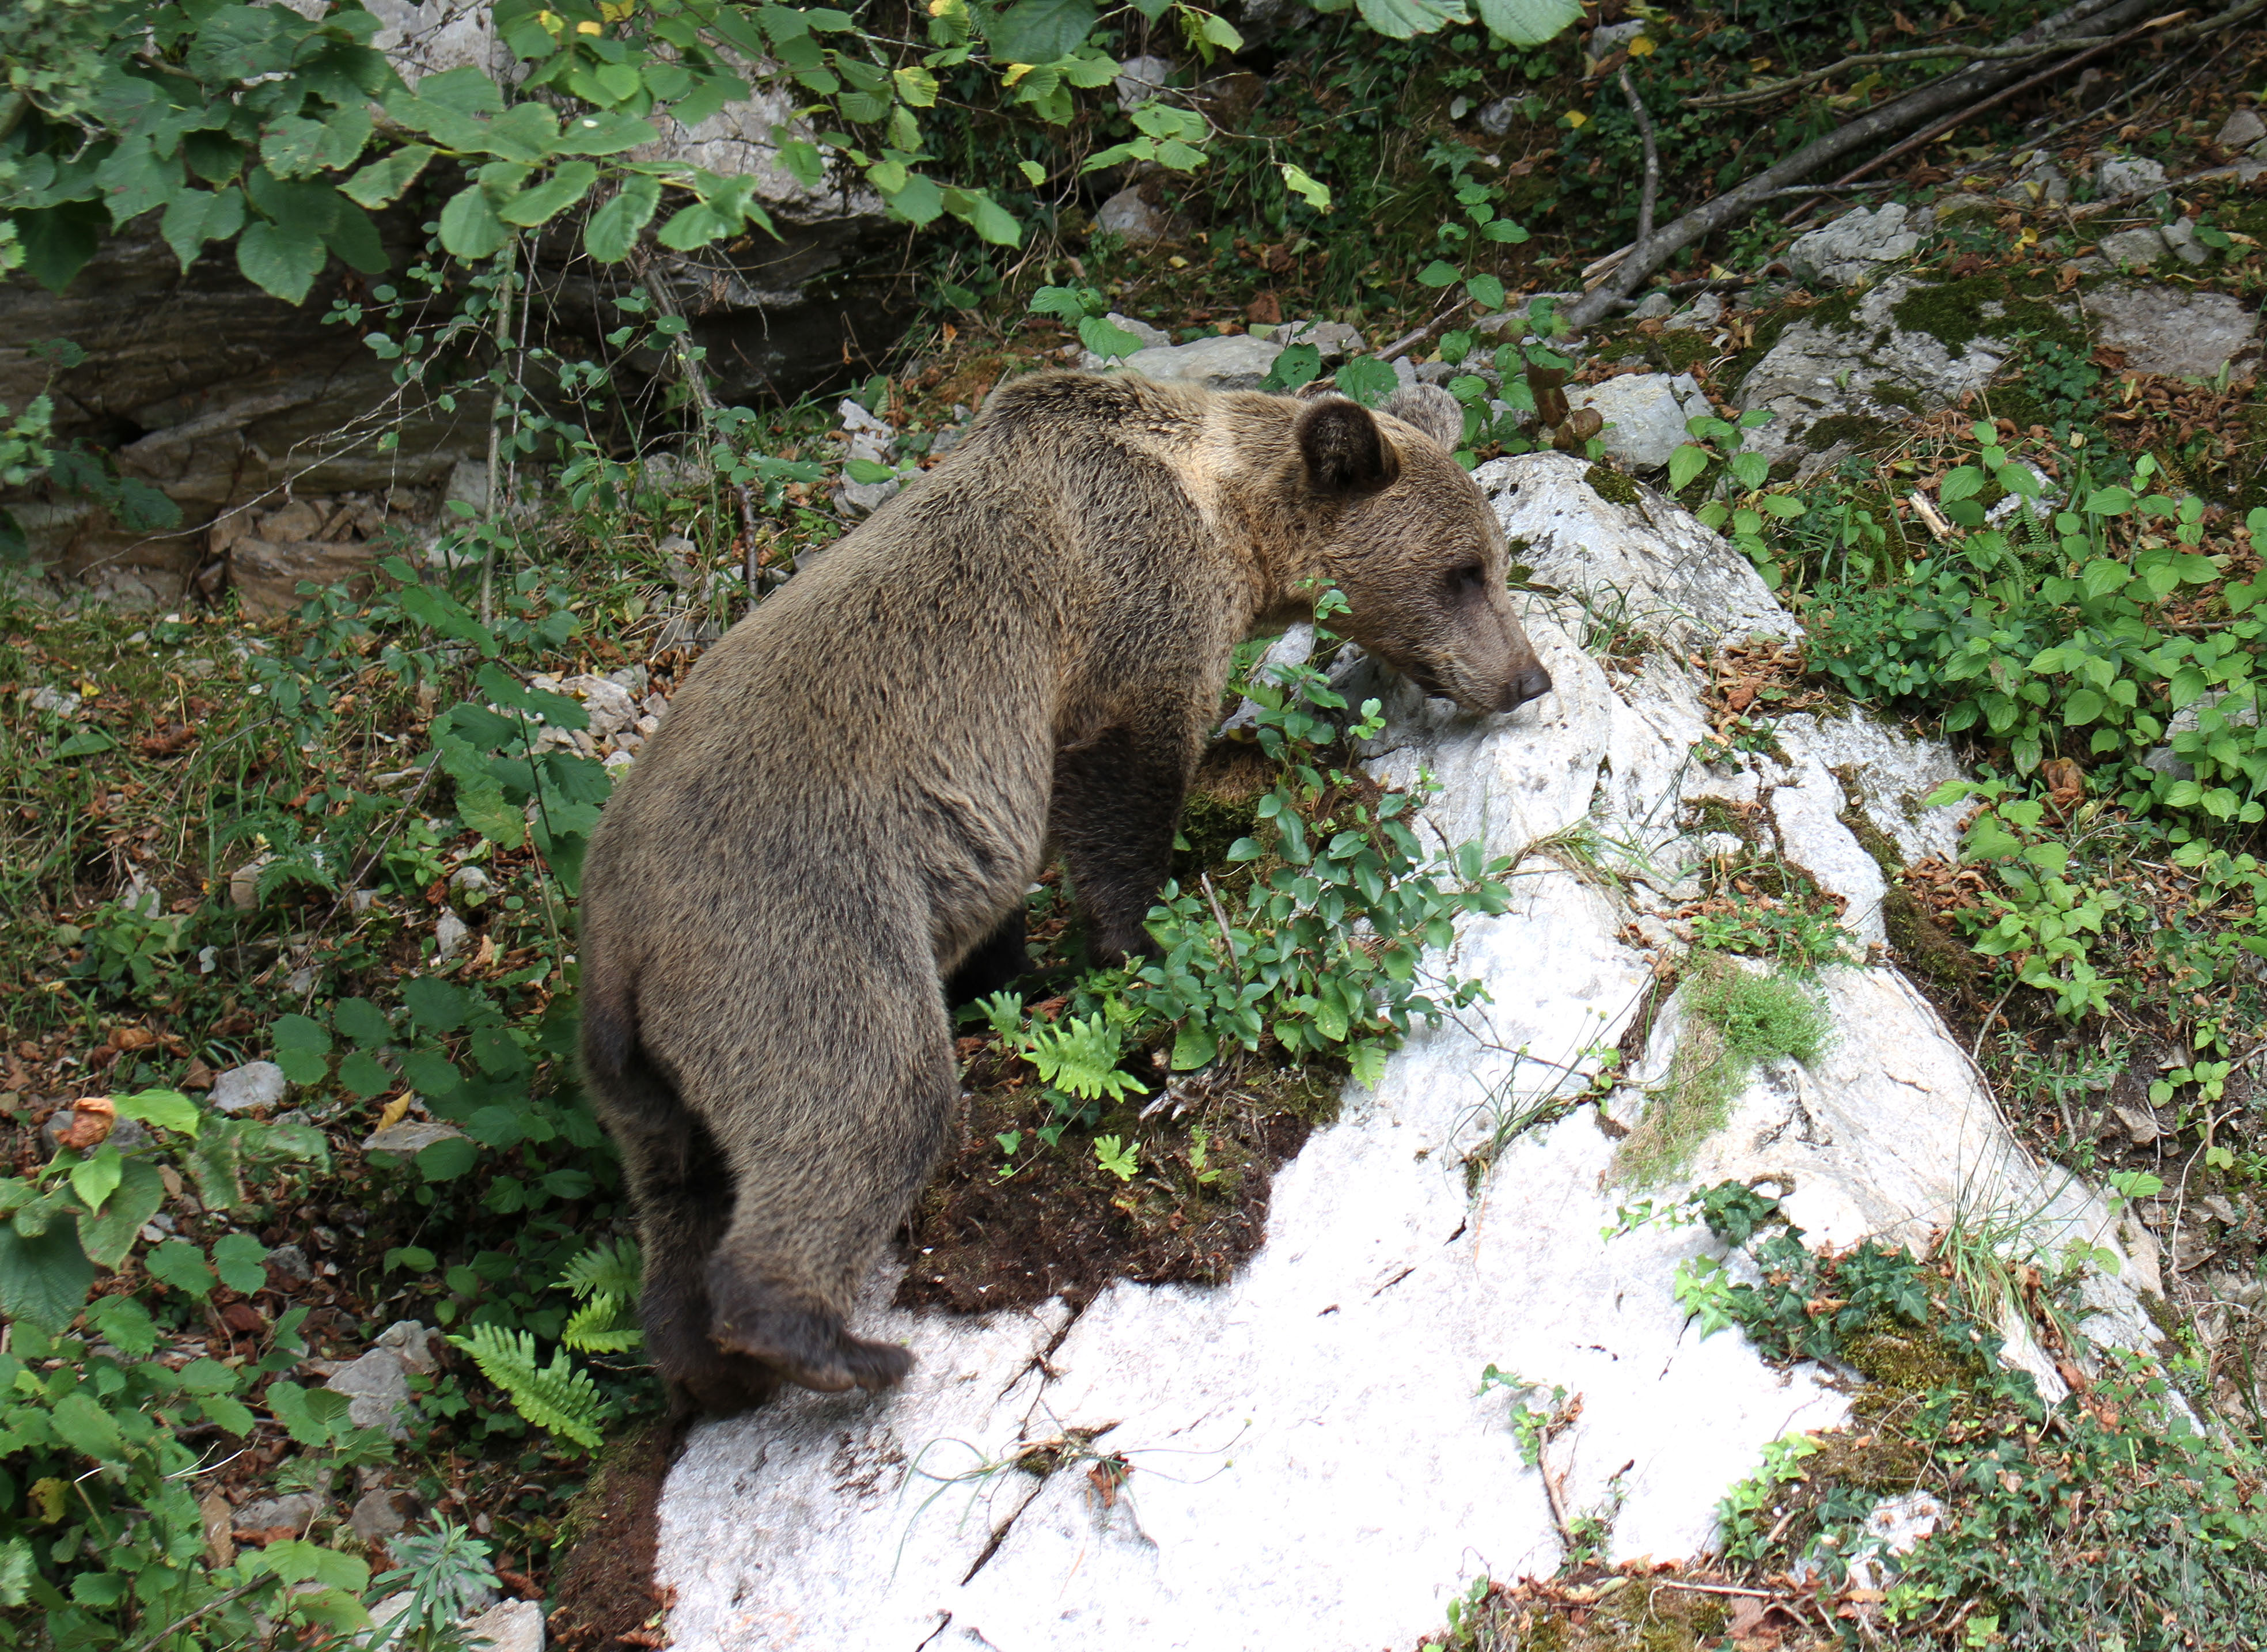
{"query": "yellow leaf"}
(395, 1111)
(1642, 47)
(615, 10)
(1759, 63)
(1016, 72)
(587, 27)
(1177, 263)
(1575, 117)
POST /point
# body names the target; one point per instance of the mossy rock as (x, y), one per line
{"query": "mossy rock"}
(1853, 428)
(1925, 945)
(1614, 488)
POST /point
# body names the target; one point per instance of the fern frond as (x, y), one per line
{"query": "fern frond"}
(1080, 1056)
(596, 1327)
(604, 1269)
(557, 1396)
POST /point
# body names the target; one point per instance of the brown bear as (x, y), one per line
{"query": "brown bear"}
(856, 786)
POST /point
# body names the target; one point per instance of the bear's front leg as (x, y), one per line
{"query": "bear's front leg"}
(1116, 800)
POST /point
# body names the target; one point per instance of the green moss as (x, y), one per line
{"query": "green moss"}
(1735, 1021)
(1899, 395)
(1923, 943)
(1954, 312)
(1870, 837)
(1853, 428)
(1611, 486)
(1681, 350)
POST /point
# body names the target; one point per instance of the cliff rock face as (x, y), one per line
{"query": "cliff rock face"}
(1304, 1458)
(234, 405)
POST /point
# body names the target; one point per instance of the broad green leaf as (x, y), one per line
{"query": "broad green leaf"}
(81, 1423)
(168, 1109)
(107, 1237)
(364, 1075)
(1528, 22)
(2083, 706)
(1486, 290)
(605, 133)
(1368, 381)
(1193, 1046)
(280, 262)
(1104, 339)
(1684, 464)
(181, 1265)
(1038, 30)
(94, 1179)
(1401, 19)
(384, 181)
(1316, 195)
(447, 1159)
(470, 227)
(614, 229)
(2109, 501)
(195, 217)
(362, 1021)
(696, 225)
(238, 1256)
(1962, 483)
(1439, 273)
(564, 188)
(438, 1006)
(486, 812)
(916, 87)
(123, 1323)
(985, 215)
(310, 1415)
(43, 1280)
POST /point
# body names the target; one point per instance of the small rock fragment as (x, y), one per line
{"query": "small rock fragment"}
(298, 1511)
(511, 1625)
(292, 1263)
(376, 1516)
(377, 1387)
(2125, 174)
(1232, 362)
(449, 934)
(1127, 214)
(2242, 130)
(1853, 245)
(410, 1136)
(2140, 1128)
(253, 1085)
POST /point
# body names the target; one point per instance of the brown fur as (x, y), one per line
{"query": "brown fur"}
(853, 791)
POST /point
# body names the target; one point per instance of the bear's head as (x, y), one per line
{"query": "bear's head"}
(1408, 537)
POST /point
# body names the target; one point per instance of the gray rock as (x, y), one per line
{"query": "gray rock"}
(1495, 119)
(377, 1387)
(1855, 245)
(291, 1262)
(1706, 311)
(1652, 304)
(610, 707)
(410, 1136)
(61, 701)
(2140, 1128)
(1645, 414)
(449, 934)
(1333, 341)
(511, 1625)
(2242, 130)
(1141, 78)
(253, 1085)
(1870, 367)
(411, 1343)
(1230, 362)
(376, 1516)
(2129, 248)
(2124, 174)
(2166, 330)
(2180, 236)
(298, 1510)
(1608, 38)
(1127, 214)
(471, 882)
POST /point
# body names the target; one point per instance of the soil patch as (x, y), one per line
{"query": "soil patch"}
(603, 1593)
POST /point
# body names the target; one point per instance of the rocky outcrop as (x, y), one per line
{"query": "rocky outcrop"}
(1301, 1458)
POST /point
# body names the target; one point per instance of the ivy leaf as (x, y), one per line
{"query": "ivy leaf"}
(280, 261)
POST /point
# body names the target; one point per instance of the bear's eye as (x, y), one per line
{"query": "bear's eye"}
(1467, 579)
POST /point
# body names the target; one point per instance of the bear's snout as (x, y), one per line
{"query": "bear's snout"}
(1531, 684)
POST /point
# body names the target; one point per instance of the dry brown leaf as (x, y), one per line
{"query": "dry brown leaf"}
(93, 1117)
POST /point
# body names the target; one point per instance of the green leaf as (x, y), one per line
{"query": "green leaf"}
(1684, 464)
(168, 1109)
(1486, 292)
(1401, 19)
(364, 1075)
(614, 229)
(916, 87)
(564, 188)
(237, 1258)
(985, 215)
(2109, 501)
(108, 1236)
(2083, 706)
(95, 1179)
(43, 1280)
(362, 1021)
(81, 1423)
(608, 132)
(125, 1323)
(181, 1265)
(85, 743)
(1439, 273)
(448, 1158)
(1316, 195)
(1368, 381)
(470, 227)
(384, 181)
(195, 217)
(280, 261)
(438, 1006)
(58, 240)
(1193, 1046)
(1104, 339)
(310, 1415)
(1529, 22)
(1038, 30)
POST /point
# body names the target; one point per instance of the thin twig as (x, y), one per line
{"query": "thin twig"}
(1975, 1055)
(1652, 159)
(506, 261)
(1716, 1589)
(1425, 334)
(1220, 918)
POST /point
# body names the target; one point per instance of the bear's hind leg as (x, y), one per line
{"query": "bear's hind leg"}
(999, 958)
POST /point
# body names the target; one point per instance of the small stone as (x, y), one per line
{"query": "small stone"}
(244, 883)
(1652, 305)
(2131, 247)
(2180, 236)
(471, 882)
(410, 1136)
(1234, 361)
(1127, 214)
(1645, 414)
(511, 1625)
(1703, 311)
(1141, 78)
(61, 701)
(1853, 246)
(448, 935)
(376, 1518)
(298, 1511)
(605, 702)
(253, 1085)
(2124, 174)
(2242, 130)
(2219, 1210)
(377, 1387)
(1333, 341)
(468, 484)
(413, 1342)
(865, 497)
(2140, 1128)
(291, 1262)
(1495, 119)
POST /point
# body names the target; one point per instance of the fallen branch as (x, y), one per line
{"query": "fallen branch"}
(1916, 108)
(1652, 158)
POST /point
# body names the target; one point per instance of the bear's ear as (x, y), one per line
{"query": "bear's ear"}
(1432, 410)
(1344, 450)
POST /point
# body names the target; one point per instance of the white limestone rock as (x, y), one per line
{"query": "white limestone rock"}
(2167, 330)
(1855, 245)
(1645, 413)
(1311, 1465)
(1235, 361)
